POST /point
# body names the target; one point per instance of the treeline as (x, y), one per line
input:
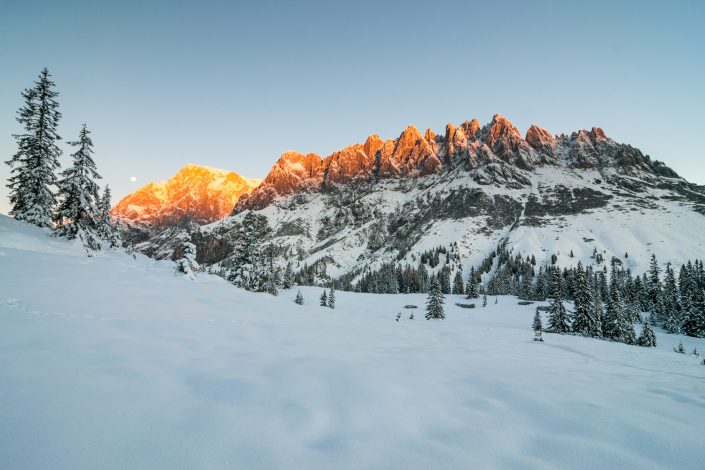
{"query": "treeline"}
(69, 202)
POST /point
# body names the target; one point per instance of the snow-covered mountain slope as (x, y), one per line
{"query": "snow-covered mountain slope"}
(388, 202)
(194, 194)
(112, 362)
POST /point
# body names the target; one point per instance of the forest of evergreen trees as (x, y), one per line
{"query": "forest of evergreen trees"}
(68, 201)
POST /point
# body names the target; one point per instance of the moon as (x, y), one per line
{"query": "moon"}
(133, 178)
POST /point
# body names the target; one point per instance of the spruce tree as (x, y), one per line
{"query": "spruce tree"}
(537, 326)
(557, 315)
(77, 215)
(299, 298)
(458, 285)
(618, 325)
(484, 300)
(107, 229)
(331, 298)
(647, 338)
(288, 279)
(584, 321)
(694, 324)
(670, 305)
(187, 263)
(434, 302)
(32, 176)
(324, 299)
(653, 287)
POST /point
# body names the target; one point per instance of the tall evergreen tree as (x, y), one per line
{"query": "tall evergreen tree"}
(434, 302)
(32, 176)
(617, 323)
(77, 215)
(537, 326)
(647, 338)
(107, 230)
(187, 263)
(299, 298)
(653, 287)
(694, 324)
(670, 304)
(558, 321)
(331, 298)
(584, 321)
(324, 299)
(458, 285)
(288, 279)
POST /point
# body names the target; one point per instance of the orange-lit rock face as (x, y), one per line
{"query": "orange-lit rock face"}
(196, 193)
(540, 139)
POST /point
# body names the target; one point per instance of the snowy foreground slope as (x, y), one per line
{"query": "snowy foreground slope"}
(114, 363)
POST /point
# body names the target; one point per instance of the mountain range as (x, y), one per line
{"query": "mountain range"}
(471, 188)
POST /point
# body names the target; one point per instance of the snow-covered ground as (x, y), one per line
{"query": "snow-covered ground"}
(112, 362)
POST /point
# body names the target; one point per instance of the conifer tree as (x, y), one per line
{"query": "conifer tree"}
(669, 301)
(694, 324)
(484, 300)
(187, 263)
(584, 321)
(537, 326)
(653, 287)
(557, 315)
(106, 227)
(458, 286)
(324, 299)
(299, 298)
(32, 175)
(331, 298)
(288, 279)
(434, 302)
(77, 215)
(647, 338)
(618, 326)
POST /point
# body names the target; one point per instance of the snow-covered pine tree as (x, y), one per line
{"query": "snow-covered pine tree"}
(558, 321)
(617, 324)
(299, 298)
(484, 300)
(288, 279)
(584, 321)
(324, 299)
(187, 263)
(434, 302)
(269, 271)
(647, 338)
(458, 285)
(37, 158)
(537, 326)
(653, 287)
(694, 324)
(671, 309)
(77, 215)
(471, 285)
(331, 298)
(107, 230)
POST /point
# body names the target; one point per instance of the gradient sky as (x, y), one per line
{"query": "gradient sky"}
(232, 85)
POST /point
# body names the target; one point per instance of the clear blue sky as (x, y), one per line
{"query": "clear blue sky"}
(230, 85)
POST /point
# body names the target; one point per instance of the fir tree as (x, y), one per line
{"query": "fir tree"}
(670, 309)
(618, 325)
(106, 227)
(187, 263)
(299, 298)
(647, 338)
(680, 349)
(324, 299)
(77, 215)
(37, 158)
(584, 321)
(557, 315)
(458, 286)
(268, 272)
(537, 326)
(653, 287)
(694, 324)
(288, 279)
(484, 300)
(434, 302)
(331, 298)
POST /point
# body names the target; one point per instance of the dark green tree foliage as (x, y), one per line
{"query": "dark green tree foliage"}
(694, 324)
(584, 321)
(484, 300)
(299, 298)
(653, 288)
(107, 230)
(458, 285)
(77, 215)
(37, 158)
(618, 326)
(537, 326)
(647, 338)
(331, 298)
(267, 277)
(248, 259)
(288, 279)
(324, 299)
(671, 310)
(558, 321)
(434, 302)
